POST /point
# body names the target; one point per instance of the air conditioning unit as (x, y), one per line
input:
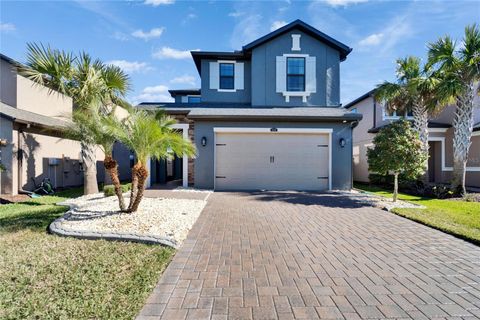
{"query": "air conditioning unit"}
(53, 161)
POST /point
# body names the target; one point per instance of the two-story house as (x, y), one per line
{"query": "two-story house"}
(32, 144)
(266, 117)
(440, 162)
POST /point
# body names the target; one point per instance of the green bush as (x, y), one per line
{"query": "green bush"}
(109, 190)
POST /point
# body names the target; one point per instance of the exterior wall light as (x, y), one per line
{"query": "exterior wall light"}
(342, 142)
(204, 141)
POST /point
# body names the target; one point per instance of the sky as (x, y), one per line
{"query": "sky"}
(152, 39)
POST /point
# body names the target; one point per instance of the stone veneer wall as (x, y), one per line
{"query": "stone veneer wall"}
(191, 127)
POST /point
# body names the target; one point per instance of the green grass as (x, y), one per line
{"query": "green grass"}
(49, 277)
(460, 218)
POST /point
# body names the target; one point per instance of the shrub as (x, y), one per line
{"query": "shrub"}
(109, 190)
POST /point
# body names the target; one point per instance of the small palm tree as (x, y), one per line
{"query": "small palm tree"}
(93, 127)
(411, 92)
(149, 136)
(458, 71)
(89, 83)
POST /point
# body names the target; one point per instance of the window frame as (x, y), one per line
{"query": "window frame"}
(394, 115)
(220, 63)
(197, 97)
(297, 74)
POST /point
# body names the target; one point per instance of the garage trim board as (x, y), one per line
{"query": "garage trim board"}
(273, 131)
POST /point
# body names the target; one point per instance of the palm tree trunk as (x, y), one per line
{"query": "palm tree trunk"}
(462, 135)
(420, 124)
(134, 191)
(142, 175)
(112, 167)
(90, 184)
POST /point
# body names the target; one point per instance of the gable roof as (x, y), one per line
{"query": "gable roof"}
(246, 51)
(308, 29)
(362, 97)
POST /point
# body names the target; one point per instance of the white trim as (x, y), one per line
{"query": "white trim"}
(296, 42)
(328, 131)
(444, 167)
(227, 90)
(268, 130)
(234, 72)
(437, 130)
(304, 94)
(395, 117)
(295, 55)
(475, 133)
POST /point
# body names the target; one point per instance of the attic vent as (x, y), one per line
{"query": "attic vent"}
(296, 42)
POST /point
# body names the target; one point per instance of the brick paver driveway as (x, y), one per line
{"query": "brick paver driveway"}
(309, 256)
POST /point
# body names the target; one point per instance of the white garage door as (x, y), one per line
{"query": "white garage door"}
(281, 160)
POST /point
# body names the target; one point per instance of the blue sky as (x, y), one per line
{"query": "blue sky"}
(150, 39)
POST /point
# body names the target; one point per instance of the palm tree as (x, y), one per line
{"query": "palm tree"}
(458, 71)
(93, 127)
(88, 82)
(411, 92)
(149, 135)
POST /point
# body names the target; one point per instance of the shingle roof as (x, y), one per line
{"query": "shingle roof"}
(299, 24)
(313, 113)
(31, 117)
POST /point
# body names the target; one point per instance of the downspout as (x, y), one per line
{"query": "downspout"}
(19, 161)
(353, 124)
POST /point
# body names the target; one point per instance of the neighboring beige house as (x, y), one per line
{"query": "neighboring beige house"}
(440, 163)
(32, 148)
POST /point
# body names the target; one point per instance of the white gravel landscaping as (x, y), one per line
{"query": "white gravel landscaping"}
(156, 217)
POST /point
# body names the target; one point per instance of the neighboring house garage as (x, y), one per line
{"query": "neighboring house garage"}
(272, 158)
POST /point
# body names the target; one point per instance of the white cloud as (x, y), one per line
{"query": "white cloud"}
(147, 35)
(120, 36)
(131, 66)
(186, 79)
(371, 40)
(7, 27)
(170, 53)
(277, 25)
(157, 93)
(343, 3)
(248, 28)
(157, 3)
(236, 14)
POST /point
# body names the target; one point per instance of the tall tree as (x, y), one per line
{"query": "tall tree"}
(458, 71)
(89, 83)
(149, 136)
(413, 91)
(397, 150)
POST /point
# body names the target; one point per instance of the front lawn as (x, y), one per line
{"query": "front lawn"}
(49, 277)
(460, 218)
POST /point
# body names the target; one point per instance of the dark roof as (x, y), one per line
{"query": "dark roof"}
(362, 97)
(431, 124)
(11, 61)
(312, 113)
(198, 56)
(476, 127)
(183, 92)
(308, 29)
(164, 105)
(24, 116)
(245, 53)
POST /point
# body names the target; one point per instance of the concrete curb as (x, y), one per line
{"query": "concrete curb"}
(56, 228)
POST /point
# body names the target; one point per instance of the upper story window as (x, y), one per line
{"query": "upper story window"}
(227, 76)
(194, 99)
(295, 74)
(393, 114)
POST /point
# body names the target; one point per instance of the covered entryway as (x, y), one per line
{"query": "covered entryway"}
(272, 159)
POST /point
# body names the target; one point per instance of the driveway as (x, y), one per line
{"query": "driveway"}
(282, 255)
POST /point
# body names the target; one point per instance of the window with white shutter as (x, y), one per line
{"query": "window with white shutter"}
(214, 75)
(296, 76)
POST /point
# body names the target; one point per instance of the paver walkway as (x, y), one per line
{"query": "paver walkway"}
(309, 256)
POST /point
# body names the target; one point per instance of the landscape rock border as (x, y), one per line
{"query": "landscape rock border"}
(56, 228)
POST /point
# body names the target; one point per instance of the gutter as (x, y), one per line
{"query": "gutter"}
(357, 118)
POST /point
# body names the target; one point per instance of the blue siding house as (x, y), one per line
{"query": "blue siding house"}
(267, 117)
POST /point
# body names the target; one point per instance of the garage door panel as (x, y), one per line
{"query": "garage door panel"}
(273, 161)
